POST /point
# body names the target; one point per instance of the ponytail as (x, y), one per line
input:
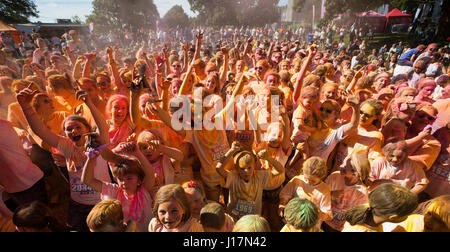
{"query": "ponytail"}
(358, 214)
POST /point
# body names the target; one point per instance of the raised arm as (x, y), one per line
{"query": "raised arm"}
(220, 167)
(351, 87)
(165, 118)
(87, 67)
(113, 64)
(77, 67)
(225, 66)
(278, 168)
(354, 122)
(301, 75)
(87, 176)
(198, 47)
(24, 98)
(99, 120)
(186, 86)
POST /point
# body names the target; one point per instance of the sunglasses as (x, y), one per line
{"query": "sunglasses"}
(365, 114)
(348, 76)
(329, 111)
(259, 68)
(177, 66)
(423, 115)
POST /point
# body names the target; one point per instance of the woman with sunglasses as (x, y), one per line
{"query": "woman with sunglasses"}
(367, 138)
(426, 151)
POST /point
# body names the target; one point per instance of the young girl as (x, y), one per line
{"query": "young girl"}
(309, 186)
(348, 189)
(395, 166)
(120, 125)
(246, 185)
(172, 212)
(196, 197)
(301, 216)
(387, 203)
(72, 147)
(164, 159)
(135, 184)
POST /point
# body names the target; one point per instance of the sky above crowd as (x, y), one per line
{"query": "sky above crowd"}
(50, 10)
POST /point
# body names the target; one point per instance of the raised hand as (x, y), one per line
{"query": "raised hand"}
(263, 154)
(109, 51)
(353, 101)
(90, 56)
(83, 96)
(236, 146)
(224, 50)
(25, 96)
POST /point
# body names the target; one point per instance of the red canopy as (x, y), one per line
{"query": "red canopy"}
(397, 17)
(15, 34)
(375, 20)
(397, 13)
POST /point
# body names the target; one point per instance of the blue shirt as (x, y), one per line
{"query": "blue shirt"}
(407, 55)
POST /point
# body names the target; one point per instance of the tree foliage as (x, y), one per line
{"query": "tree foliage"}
(17, 11)
(176, 17)
(235, 12)
(132, 15)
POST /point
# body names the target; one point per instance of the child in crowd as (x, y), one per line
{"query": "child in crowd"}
(387, 203)
(252, 223)
(107, 216)
(172, 212)
(135, 184)
(214, 219)
(246, 184)
(309, 186)
(301, 216)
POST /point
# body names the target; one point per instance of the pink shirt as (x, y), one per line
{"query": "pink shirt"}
(408, 174)
(17, 172)
(137, 208)
(75, 159)
(343, 198)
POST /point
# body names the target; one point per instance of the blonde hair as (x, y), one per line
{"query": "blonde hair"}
(104, 213)
(252, 223)
(439, 210)
(315, 166)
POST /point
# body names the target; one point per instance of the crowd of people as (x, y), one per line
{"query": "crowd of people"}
(238, 133)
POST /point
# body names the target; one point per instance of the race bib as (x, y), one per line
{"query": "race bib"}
(242, 207)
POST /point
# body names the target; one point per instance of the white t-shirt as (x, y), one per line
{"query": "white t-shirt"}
(17, 172)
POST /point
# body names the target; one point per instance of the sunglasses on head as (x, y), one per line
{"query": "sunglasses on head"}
(329, 111)
(423, 115)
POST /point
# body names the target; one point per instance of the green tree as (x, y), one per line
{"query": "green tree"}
(176, 17)
(214, 12)
(257, 12)
(133, 15)
(76, 19)
(17, 11)
(236, 12)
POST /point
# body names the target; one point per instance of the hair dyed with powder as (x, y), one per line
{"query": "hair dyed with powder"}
(301, 213)
(252, 223)
(385, 200)
(212, 216)
(104, 213)
(315, 166)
